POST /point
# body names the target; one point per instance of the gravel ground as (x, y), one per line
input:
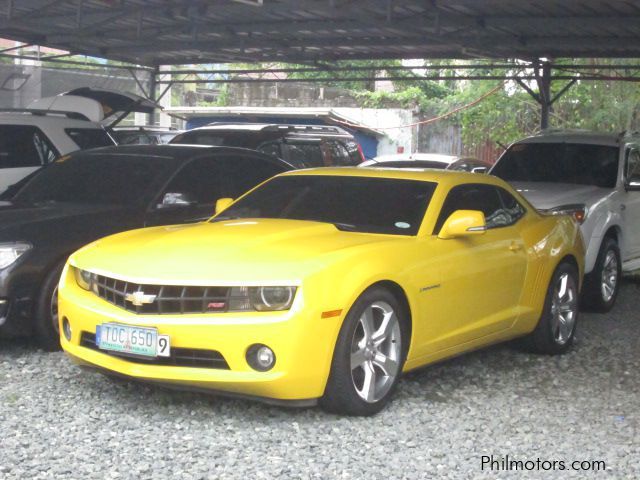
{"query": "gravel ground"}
(57, 421)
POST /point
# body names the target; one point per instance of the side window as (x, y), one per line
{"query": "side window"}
(203, 181)
(24, 146)
(475, 197)
(247, 172)
(87, 138)
(512, 208)
(304, 155)
(270, 148)
(632, 170)
(335, 154)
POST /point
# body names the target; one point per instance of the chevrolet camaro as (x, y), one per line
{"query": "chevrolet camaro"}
(324, 286)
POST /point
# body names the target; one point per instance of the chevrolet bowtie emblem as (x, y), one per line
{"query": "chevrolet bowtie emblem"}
(139, 298)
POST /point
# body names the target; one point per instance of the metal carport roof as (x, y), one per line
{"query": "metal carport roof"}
(160, 32)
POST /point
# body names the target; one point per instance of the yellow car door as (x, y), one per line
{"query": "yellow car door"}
(480, 277)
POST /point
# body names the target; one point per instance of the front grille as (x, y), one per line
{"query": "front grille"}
(180, 357)
(162, 299)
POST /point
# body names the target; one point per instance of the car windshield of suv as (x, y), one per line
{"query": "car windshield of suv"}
(575, 163)
(357, 204)
(96, 179)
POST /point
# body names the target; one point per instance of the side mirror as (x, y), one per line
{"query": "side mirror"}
(463, 223)
(177, 199)
(222, 204)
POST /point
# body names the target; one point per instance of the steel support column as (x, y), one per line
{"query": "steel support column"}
(153, 94)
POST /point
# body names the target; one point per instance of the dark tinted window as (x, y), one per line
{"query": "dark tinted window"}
(271, 148)
(488, 199)
(580, 164)
(97, 179)
(375, 205)
(512, 207)
(24, 146)
(303, 155)
(335, 154)
(633, 165)
(87, 138)
(205, 180)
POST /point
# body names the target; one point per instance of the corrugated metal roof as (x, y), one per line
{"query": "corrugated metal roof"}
(156, 32)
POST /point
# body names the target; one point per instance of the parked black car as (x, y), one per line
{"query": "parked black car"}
(90, 194)
(303, 146)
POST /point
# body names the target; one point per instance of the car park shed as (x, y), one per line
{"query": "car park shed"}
(315, 33)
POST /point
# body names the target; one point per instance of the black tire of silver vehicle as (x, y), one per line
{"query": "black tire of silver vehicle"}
(369, 355)
(603, 283)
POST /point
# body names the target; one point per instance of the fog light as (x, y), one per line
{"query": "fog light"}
(260, 357)
(66, 329)
(4, 308)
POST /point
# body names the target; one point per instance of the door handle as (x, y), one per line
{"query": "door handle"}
(515, 247)
(623, 207)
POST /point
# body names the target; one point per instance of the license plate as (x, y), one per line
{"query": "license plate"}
(132, 340)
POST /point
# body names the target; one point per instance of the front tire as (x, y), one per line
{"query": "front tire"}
(47, 329)
(603, 283)
(556, 328)
(370, 352)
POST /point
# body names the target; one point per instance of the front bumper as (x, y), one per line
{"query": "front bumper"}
(303, 343)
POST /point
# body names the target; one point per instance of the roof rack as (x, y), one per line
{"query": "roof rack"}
(307, 128)
(42, 113)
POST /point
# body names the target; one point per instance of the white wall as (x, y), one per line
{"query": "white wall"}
(381, 118)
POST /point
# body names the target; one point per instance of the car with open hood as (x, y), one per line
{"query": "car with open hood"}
(325, 285)
(89, 194)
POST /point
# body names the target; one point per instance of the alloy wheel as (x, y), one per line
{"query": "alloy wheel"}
(375, 352)
(564, 308)
(609, 279)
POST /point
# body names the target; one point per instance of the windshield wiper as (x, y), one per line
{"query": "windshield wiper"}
(224, 217)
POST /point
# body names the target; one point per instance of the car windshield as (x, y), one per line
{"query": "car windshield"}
(96, 179)
(575, 163)
(359, 204)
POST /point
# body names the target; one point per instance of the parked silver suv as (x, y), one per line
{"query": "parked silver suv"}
(596, 178)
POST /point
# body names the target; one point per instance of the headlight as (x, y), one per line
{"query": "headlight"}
(577, 211)
(262, 299)
(10, 252)
(84, 278)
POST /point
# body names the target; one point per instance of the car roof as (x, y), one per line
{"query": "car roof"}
(178, 152)
(575, 136)
(284, 128)
(420, 174)
(431, 157)
(28, 117)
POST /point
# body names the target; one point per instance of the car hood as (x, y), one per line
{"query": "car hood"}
(549, 195)
(24, 222)
(223, 253)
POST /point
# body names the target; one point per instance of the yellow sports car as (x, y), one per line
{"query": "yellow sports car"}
(324, 285)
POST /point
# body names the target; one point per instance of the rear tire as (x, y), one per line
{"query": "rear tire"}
(46, 326)
(556, 328)
(603, 283)
(369, 355)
